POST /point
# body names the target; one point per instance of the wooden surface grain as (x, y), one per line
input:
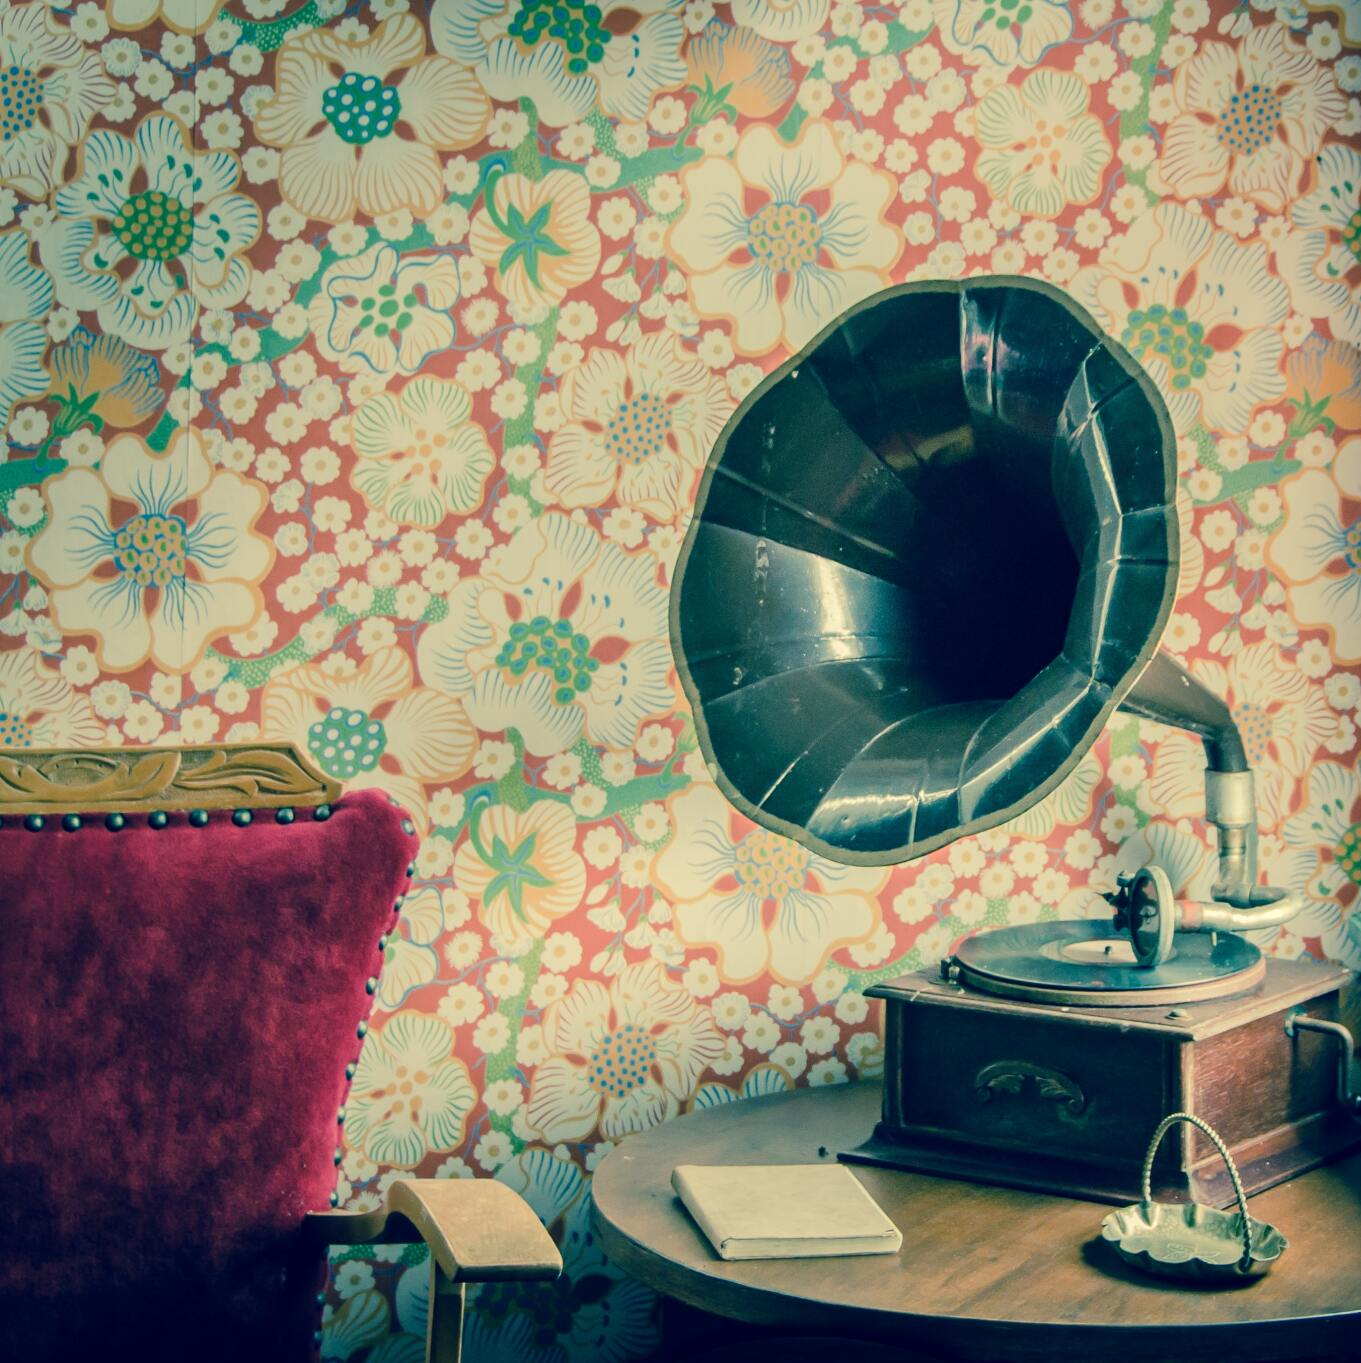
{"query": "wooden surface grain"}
(131, 780)
(984, 1273)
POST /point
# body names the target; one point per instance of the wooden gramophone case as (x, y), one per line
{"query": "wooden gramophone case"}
(1063, 1099)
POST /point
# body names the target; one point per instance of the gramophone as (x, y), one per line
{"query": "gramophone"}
(931, 554)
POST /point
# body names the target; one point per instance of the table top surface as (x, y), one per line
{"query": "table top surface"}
(986, 1272)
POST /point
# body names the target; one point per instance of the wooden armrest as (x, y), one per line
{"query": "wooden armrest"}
(478, 1230)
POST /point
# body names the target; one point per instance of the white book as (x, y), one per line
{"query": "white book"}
(784, 1211)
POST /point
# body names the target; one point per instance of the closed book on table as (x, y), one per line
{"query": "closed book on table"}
(784, 1211)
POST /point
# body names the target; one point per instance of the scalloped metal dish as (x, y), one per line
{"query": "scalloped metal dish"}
(1191, 1241)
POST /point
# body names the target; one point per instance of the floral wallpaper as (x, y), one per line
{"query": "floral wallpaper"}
(357, 365)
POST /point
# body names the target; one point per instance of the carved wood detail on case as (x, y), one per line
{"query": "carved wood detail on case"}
(1011, 1076)
(124, 780)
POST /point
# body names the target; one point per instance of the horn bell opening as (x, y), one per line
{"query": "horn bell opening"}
(929, 556)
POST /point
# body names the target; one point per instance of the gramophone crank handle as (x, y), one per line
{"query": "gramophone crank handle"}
(1348, 1085)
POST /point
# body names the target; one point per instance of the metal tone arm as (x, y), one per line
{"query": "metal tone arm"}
(1166, 692)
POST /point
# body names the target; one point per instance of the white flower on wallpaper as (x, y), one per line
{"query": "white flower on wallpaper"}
(763, 902)
(185, 16)
(781, 261)
(1004, 33)
(621, 1057)
(153, 554)
(1322, 860)
(361, 124)
(1250, 119)
(562, 634)
(1320, 259)
(781, 20)
(385, 313)
(370, 727)
(614, 56)
(1317, 552)
(1199, 311)
(51, 87)
(39, 708)
(25, 300)
(1043, 150)
(410, 1094)
(420, 456)
(637, 425)
(150, 230)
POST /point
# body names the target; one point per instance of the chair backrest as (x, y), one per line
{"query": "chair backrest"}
(181, 992)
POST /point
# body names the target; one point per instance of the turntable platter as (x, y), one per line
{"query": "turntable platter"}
(1086, 964)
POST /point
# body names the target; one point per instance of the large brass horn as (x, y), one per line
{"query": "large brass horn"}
(930, 555)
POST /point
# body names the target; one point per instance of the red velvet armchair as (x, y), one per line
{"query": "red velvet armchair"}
(192, 943)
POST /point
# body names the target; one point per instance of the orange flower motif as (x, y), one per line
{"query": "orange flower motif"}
(411, 1094)
(104, 378)
(738, 68)
(1042, 149)
(1326, 375)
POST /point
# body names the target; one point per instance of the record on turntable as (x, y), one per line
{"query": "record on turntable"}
(1083, 964)
(1089, 963)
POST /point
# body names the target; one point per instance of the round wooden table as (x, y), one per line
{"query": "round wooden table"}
(984, 1273)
